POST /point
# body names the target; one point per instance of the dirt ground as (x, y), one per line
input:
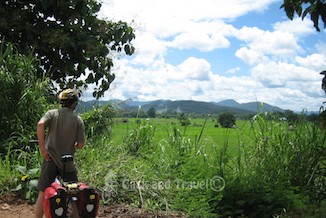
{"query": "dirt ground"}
(13, 207)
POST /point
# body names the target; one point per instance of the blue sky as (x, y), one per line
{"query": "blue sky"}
(212, 50)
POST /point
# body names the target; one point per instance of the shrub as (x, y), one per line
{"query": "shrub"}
(99, 120)
(226, 119)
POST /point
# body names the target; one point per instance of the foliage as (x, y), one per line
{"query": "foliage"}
(20, 171)
(262, 178)
(249, 116)
(316, 9)
(26, 185)
(6, 175)
(139, 137)
(226, 119)
(67, 38)
(151, 112)
(253, 200)
(98, 121)
(183, 119)
(23, 97)
(312, 117)
(291, 116)
(299, 155)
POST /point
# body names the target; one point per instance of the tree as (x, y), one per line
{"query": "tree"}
(67, 38)
(226, 119)
(151, 112)
(249, 116)
(316, 9)
(184, 120)
(312, 117)
(291, 116)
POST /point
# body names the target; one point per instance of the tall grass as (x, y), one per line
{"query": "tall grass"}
(23, 100)
(22, 96)
(273, 169)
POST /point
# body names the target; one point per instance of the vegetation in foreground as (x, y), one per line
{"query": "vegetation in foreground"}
(268, 171)
(261, 169)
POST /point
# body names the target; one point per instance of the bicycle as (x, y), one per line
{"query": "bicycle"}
(62, 194)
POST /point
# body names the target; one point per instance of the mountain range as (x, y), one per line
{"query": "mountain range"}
(185, 106)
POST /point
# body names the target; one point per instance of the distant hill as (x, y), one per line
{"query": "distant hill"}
(84, 106)
(252, 106)
(198, 107)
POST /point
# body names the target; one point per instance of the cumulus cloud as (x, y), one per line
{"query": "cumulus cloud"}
(234, 70)
(186, 9)
(200, 41)
(316, 62)
(274, 43)
(282, 74)
(197, 69)
(295, 26)
(147, 48)
(250, 56)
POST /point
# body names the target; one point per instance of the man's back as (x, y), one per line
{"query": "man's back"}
(65, 128)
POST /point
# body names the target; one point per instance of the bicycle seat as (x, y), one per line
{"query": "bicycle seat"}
(67, 157)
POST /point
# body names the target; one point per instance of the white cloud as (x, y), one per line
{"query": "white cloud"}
(234, 70)
(283, 74)
(169, 18)
(197, 69)
(277, 43)
(316, 62)
(147, 47)
(186, 9)
(200, 41)
(296, 26)
(250, 56)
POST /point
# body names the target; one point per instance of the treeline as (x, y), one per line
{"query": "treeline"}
(287, 115)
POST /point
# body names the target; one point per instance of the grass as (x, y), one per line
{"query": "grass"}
(211, 134)
(158, 164)
(251, 171)
(165, 126)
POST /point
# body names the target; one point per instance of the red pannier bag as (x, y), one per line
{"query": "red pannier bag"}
(88, 201)
(54, 201)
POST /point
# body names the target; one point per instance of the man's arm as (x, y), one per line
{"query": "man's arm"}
(40, 136)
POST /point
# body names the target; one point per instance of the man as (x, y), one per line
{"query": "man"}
(66, 132)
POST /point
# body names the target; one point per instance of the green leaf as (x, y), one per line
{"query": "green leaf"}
(239, 211)
(308, 10)
(18, 187)
(314, 18)
(241, 202)
(32, 184)
(32, 172)
(127, 49)
(22, 170)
